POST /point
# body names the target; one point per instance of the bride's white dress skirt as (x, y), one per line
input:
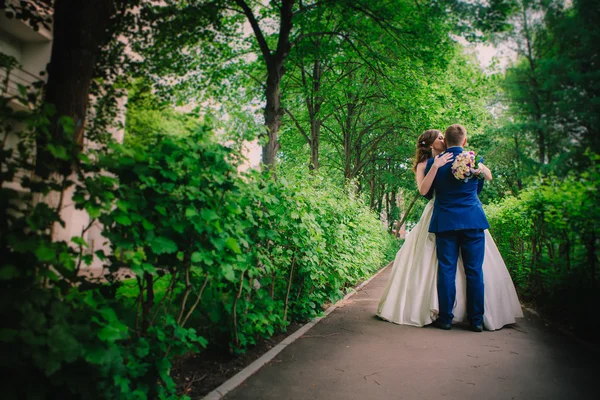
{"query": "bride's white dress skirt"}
(410, 297)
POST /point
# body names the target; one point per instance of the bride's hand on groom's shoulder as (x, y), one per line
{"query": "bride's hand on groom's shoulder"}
(442, 159)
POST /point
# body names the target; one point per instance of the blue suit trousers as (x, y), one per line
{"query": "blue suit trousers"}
(470, 243)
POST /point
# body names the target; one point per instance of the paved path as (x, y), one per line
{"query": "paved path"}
(353, 355)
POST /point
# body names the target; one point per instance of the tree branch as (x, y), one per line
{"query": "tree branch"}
(304, 9)
(311, 34)
(261, 83)
(302, 131)
(405, 216)
(360, 165)
(335, 134)
(369, 127)
(262, 42)
(285, 28)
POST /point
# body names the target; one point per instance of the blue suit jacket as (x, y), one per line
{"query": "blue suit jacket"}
(456, 206)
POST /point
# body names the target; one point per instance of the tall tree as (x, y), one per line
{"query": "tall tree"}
(550, 89)
(570, 73)
(529, 99)
(274, 60)
(341, 40)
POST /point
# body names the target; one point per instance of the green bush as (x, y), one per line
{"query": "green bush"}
(312, 242)
(62, 336)
(511, 226)
(215, 257)
(549, 237)
(245, 254)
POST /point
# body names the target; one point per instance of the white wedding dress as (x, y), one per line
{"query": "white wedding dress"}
(410, 297)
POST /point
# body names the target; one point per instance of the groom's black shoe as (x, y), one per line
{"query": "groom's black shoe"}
(441, 325)
(477, 328)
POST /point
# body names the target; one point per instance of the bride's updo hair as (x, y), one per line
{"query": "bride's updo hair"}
(424, 143)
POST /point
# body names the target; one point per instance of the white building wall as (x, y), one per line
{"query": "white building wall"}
(10, 45)
(35, 57)
(33, 51)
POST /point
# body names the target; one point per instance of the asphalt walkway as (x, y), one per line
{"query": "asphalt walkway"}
(351, 354)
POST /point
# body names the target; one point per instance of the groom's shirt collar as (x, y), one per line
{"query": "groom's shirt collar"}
(454, 148)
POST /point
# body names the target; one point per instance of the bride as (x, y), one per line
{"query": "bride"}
(410, 296)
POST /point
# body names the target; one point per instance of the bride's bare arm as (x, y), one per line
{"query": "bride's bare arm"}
(424, 182)
(487, 174)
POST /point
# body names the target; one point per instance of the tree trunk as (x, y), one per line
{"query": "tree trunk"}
(148, 302)
(80, 31)
(410, 206)
(273, 113)
(390, 203)
(372, 189)
(315, 136)
(535, 86)
(382, 201)
(275, 71)
(388, 211)
(347, 132)
(315, 117)
(541, 143)
(519, 169)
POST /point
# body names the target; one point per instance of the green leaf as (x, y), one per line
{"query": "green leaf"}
(92, 210)
(137, 269)
(202, 341)
(161, 210)
(79, 240)
(67, 124)
(233, 245)
(59, 152)
(217, 242)
(108, 314)
(209, 215)
(100, 356)
(113, 332)
(178, 227)
(123, 205)
(169, 174)
(163, 245)
(147, 225)
(228, 272)
(87, 259)
(149, 268)
(123, 220)
(45, 254)
(197, 257)
(143, 348)
(84, 157)
(190, 212)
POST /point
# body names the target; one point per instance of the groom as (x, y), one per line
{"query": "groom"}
(458, 222)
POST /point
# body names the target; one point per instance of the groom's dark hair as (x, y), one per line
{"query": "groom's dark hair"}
(455, 134)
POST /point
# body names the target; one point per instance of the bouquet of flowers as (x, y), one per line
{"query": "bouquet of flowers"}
(464, 166)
